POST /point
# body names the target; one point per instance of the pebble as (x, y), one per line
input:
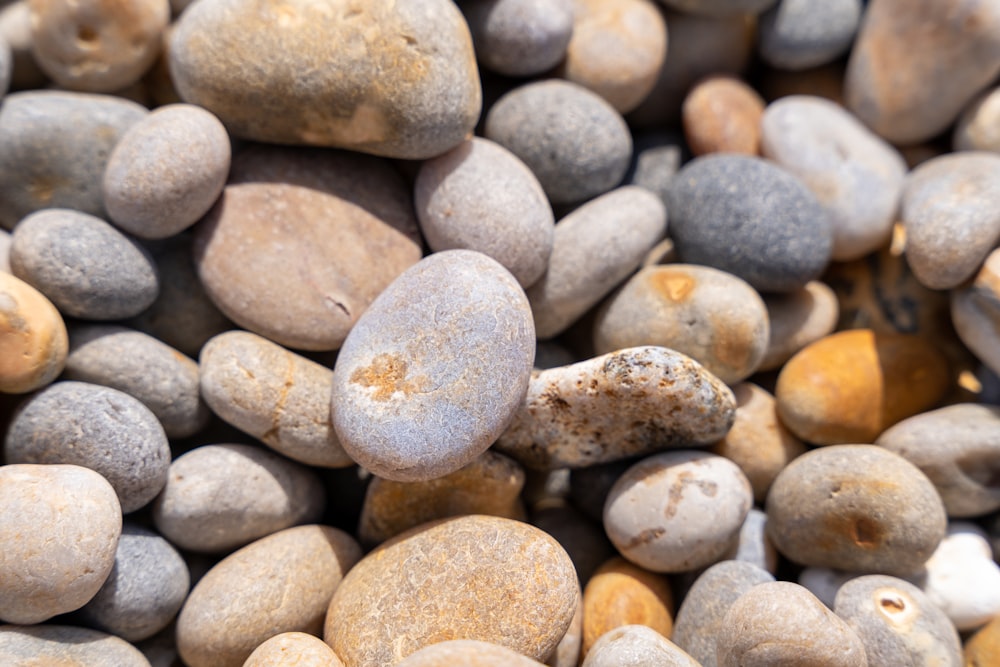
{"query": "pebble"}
(280, 583)
(60, 526)
(507, 583)
(6, 65)
(567, 651)
(86, 267)
(57, 645)
(221, 497)
(54, 147)
(897, 623)
(710, 315)
(677, 511)
(594, 249)
(582, 537)
(636, 646)
(798, 34)
(977, 127)
(145, 589)
(404, 83)
(576, 143)
(754, 546)
(958, 448)
(804, 633)
(480, 196)
(33, 340)
(860, 508)
(851, 386)
(98, 46)
(982, 647)
(96, 427)
(279, 397)
(758, 442)
(519, 37)
(949, 209)
(750, 218)
(166, 171)
(656, 158)
(468, 653)
(4, 251)
(929, 86)
(976, 315)
(293, 649)
(616, 50)
(721, 114)
(856, 176)
(614, 406)
(163, 379)
(798, 319)
(962, 578)
(824, 582)
(434, 371)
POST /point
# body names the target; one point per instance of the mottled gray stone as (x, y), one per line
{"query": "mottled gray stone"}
(58, 645)
(799, 34)
(636, 646)
(519, 37)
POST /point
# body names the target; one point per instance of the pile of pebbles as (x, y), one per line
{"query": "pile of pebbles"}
(499, 332)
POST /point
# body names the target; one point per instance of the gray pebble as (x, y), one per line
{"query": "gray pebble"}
(797, 319)
(750, 218)
(6, 65)
(576, 143)
(656, 158)
(754, 546)
(636, 646)
(519, 37)
(96, 427)
(58, 645)
(799, 34)
(86, 267)
(975, 312)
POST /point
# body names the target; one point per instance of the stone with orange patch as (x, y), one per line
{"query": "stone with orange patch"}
(33, 340)
(722, 114)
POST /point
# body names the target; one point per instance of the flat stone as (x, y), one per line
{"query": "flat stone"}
(722, 114)
(798, 34)
(797, 319)
(636, 646)
(975, 313)
(467, 652)
(519, 37)
(33, 340)
(65, 645)
(293, 649)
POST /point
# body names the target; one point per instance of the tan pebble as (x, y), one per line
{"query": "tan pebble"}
(983, 648)
(798, 319)
(637, 645)
(293, 649)
(722, 115)
(467, 653)
(33, 339)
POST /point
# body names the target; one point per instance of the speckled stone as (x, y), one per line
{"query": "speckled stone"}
(281, 583)
(978, 128)
(576, 143)
(722, 114)
(519, 37)
(273, 394)
(856, 176)
(982, 648)
(797, 319)
(33, 340)
(293, 649)
(54, 146)
(897, 623)
(949, 209)
(860, 508)
(962, 579)
(96, 427)
(798, 34)
(405, 84)
(750, 218)
(909, 94)
(60, 525)
(582, 537)
(472, 577)
(712, 316)
(480, 196)
(167, 171)
(614, 406)
(804, 633)
(435, 369)
(468, 653)
(221, 497)
(594, 249)
(636, 646)
(325, 233)
(976, 315)
(58, 645)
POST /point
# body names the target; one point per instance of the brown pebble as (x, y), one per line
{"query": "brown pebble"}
(33, 339)
(722, 115)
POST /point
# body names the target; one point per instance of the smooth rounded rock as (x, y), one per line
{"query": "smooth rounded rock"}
(33, 340)
(719, 8)
(15, 29)
(22, 645)
(636, 646)
(797, 319)
(798, 34)
(962, 579)
(60, 526)
(754, 546)
(978, 128)
(976, 315)
(6, 65)
(722, 114)
(519, 37)
(435, 369)
(982, 648)
(96, 427)
(824, 582)
(469, 653)
(582, 537)
(293, 649)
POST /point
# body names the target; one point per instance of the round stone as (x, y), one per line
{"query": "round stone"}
(33, 340)
(519, 37)
(797, 319)
(975, 313)
(860, 508)
(293, 649)
(96, 427)
(983, 647)
(60, 526)
(433, 372)
(976, 129)
(722, 114)
(962, 579)
(6, 65)
(636, 646)
(798, 34)
(65, 645)
(468, 652)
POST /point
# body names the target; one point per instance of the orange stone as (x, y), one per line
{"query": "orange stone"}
(722, 115)
(983, 648)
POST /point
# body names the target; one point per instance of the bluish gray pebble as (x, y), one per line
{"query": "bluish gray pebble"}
(799, 34)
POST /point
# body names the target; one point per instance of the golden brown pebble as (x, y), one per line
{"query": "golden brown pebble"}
(33, 340)
(722, 114)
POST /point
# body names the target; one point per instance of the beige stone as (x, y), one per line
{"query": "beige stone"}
(33, 340)
(293, 649)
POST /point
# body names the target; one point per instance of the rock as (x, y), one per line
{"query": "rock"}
(797, 319)
(467, 652)
(280, 583)
(33, 341)
(6, 65)
(614, 407)
(713, 317)
(435, 369)
(754, 546)
(60, 526)
(926, 88)
(982, 648)
(576, 143)
(567, 651)
(65, 645)
(15, 29)
(404, 83)
(508, 583)
(167, 171)
(962, 578)
(798, 34)
(221, 497)
(855, 507)
(293, 649)
(824, 582)
(519, 37)
(325, 233)
(4, 251)
(975, 314)
(976, 129)
(96, 427)
(636, 646)
(750, 218)
(856, 176)
(277, 396)
(721, 114)
(582, 537)
(480, 196)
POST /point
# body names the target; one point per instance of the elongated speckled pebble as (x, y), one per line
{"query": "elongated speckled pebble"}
(54, 645)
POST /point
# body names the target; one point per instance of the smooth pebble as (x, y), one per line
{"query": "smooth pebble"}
(33, 339)
(978, 128)
(468, 653)
(722, 114)
(976, 314)
(797, 319)
(58, 645)
(962, 578)
(519, 37)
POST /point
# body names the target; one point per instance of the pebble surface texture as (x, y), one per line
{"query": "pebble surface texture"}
(293, 649)
(520, 37)
(636, 646)
(797, 319)
(614, 407)
(473, 577)
(799, 34)
(33, 340)
(402, 84)
(281, 583)
(434, 371)
(976, 314)
(60, 526)
(59, 645)
(468, 653)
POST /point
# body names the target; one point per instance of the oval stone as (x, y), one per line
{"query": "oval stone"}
(293, 649)
(722, 114)
(435, 369)
(33, 340)
(636, 645)
(507, 583)
(797, 319)
(58, 645)
(975, 312)
(983, 647)
(519, 37)
(799, 34)
(962, 579)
